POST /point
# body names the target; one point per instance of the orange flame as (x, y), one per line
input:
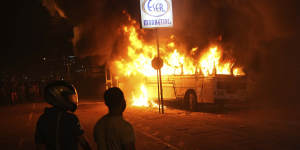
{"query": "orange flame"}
(142, 99)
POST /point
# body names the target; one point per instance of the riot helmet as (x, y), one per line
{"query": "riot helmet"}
(62, 94)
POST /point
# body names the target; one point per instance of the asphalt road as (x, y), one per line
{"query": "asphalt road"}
(177, 129)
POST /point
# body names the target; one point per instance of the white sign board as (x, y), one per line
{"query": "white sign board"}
(156, 13)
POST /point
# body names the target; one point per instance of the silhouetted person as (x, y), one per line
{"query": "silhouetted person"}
(58, 128)
(112, 132)
(2, 93)
(13, 91)
(22, 93)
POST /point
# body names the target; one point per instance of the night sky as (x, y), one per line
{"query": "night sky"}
(32, 33)
(267, 31)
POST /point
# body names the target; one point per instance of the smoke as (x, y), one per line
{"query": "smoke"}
(276, 52)
(261, 34)
(53, 8)
(96, 25)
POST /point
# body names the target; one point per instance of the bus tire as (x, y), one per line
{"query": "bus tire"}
(190, 100)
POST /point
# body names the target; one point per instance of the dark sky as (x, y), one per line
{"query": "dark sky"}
(31, 33)
(265, 32)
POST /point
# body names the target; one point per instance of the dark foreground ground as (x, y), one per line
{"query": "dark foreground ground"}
(177, 129)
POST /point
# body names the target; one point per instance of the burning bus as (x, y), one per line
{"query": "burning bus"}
(199, 76)
(190, 90)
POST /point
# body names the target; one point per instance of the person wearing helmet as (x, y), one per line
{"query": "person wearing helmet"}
(112, 132)
(58, 128)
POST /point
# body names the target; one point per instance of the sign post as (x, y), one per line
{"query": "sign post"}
(157, 14)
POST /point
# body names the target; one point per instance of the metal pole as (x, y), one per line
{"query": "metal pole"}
(160, 81)
(161, 93)
(158, 97)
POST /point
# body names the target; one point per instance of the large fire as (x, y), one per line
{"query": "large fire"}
(143, 99)
(139, 57)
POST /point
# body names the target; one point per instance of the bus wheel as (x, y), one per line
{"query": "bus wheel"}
(190, 100)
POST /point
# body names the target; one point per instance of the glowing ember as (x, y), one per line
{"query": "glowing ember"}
(238, 72)
(172, 44)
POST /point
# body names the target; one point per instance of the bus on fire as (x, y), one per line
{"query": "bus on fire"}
(188, 91)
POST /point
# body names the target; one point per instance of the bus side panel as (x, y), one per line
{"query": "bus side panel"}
(168, 91)
(231, 90)
(182, 84)
(207, 91)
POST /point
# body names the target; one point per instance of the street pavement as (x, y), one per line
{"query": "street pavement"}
(175, 130)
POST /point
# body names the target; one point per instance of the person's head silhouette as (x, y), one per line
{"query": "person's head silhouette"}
(114, 100)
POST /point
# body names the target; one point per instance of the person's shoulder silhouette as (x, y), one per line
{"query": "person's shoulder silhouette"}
(58, 127)
(112, 132)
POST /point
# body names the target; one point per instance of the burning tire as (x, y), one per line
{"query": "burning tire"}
(190, 100)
